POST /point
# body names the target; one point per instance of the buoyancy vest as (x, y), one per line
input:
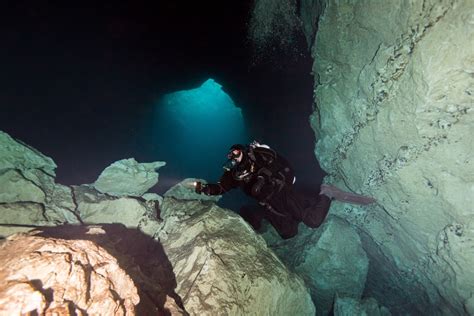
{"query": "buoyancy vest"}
(270, 165)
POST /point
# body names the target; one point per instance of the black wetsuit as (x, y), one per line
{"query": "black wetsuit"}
(268, 177)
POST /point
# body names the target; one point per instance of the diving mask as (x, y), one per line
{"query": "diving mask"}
(233, 158)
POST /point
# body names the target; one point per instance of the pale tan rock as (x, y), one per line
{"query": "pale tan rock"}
(394, 116)
(223, 268)
(20, 297)
(141, 256)
(49, 276)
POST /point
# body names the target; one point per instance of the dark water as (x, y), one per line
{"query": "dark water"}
(82, 85)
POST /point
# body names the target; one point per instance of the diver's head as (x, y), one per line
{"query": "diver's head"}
(236, 152)
(235, 156)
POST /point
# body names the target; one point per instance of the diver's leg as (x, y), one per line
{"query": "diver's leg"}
(315, 214)
(311, 211)
(286, 226)
(253, 215)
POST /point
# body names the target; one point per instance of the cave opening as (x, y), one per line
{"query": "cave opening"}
(87, 95)
(196, 127)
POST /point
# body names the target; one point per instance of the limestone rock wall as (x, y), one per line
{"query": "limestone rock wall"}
(394, 119)
(223, 268)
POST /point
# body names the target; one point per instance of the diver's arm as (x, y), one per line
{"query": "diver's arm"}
(225, 184)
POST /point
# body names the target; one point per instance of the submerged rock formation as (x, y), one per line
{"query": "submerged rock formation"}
(330, 259)
(59, 277)
(174, 256)
(394, 119)
(140, 256)
(349, 307)
(223, 267)
(28, 194)
(96, 208)
(127, 177)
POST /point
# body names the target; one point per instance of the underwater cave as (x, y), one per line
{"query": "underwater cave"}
(119, 188)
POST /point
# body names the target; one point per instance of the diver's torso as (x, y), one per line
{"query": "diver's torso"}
(246, 179)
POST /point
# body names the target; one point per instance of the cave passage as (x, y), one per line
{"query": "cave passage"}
(196, 127)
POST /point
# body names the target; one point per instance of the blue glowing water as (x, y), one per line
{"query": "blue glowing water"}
(197, 127)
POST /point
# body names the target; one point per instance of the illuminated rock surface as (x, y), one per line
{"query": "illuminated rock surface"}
(142, 257)
(203, 260)
(127, 177)
(330, 259)
(61, 277)
(185, 191)
(96, 208)
(223, 268)
(394, 119)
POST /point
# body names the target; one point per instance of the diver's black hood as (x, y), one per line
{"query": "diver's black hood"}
(231, 164)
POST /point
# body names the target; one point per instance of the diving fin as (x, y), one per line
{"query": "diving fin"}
(343, 196)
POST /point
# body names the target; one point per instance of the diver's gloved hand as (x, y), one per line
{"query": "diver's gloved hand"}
(200, 187)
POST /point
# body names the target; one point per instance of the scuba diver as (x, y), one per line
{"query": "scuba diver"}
(268, 177)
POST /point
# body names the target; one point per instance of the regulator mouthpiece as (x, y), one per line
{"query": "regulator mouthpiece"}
(229, 165)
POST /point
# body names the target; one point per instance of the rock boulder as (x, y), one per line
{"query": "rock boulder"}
(394, 119)
(346, 306)
(127, 177)
(223, 267)
(330, 259)
(19, 156)
(96, 208)
(29, 196)
(60, 277)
